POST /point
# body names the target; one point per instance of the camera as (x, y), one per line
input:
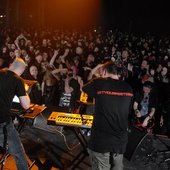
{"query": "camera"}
(70, 74)
(133, 61)
(64, 76)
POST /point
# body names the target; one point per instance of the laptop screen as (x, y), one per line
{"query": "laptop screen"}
(15, 99)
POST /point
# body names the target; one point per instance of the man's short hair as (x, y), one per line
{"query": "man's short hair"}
(111, 67)
(18, 63)
(148, 84)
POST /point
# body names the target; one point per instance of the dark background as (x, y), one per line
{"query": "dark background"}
(139, 16)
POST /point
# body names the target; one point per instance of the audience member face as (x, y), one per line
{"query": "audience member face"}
(144, 64)
(113, 50)
(29, 43)
(8, 39)
(164, 71)
(31, 48)
(96, 49)
(17, 53)
(143, 52)
(146, 90)
(159, 68)
(39, 58)
(22, 42)
(125, 54)
(79, 50)
(76, 61)
(44, 42)
(33, 71)
(23, 52)
(70, 74)
(90, 58)
(168, 64)
(13, 47)
(74, 70)
(79, 43)
(101, 72)
(45, 56)
(11, 54)
(4, 49)
(152, 72)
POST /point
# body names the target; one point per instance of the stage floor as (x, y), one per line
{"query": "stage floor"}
(56, 148)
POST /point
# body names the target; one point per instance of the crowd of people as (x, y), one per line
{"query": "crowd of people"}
(61, 62)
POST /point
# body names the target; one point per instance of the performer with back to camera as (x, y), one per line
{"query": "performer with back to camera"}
(109, 134)
(10, 85)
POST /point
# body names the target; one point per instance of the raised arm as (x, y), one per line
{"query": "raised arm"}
(56, 52)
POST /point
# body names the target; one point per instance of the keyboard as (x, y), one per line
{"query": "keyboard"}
(70, 119)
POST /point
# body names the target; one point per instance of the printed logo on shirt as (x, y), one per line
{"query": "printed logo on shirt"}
(115, 93)
(65, 100)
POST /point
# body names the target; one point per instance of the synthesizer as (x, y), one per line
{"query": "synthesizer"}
(70, 119)
(34, 110)
(30, 113)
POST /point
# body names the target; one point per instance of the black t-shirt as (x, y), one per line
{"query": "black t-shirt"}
(152, 100)
(10, 85)
(112, 105)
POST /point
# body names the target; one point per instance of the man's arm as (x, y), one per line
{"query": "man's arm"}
(95, 72)
(136, 110)
(89, 88)
(150, 115)
(56, 52)
(68, 88)
(25, 101)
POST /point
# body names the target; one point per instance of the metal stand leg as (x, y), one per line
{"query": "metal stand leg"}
(3, 159)
(82, 154)
(31, 165)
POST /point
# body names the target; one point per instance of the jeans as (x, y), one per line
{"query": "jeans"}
(105, 161)
(14, 145)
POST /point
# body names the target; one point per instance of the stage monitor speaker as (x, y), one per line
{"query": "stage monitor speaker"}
(161, 143)
(148, 150)
(136, 139)
(40, 121)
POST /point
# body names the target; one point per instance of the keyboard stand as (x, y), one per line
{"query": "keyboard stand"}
(3, 158)
(24, 118)
(76, 122)
(83, 153)
(5, 154)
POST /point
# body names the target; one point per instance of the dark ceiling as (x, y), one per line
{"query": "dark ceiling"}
(136, 15)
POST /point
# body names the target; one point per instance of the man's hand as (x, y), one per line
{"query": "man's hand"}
(145, 122)
(56, 52)
(26, 87)
(161, 121)
(138, 114)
